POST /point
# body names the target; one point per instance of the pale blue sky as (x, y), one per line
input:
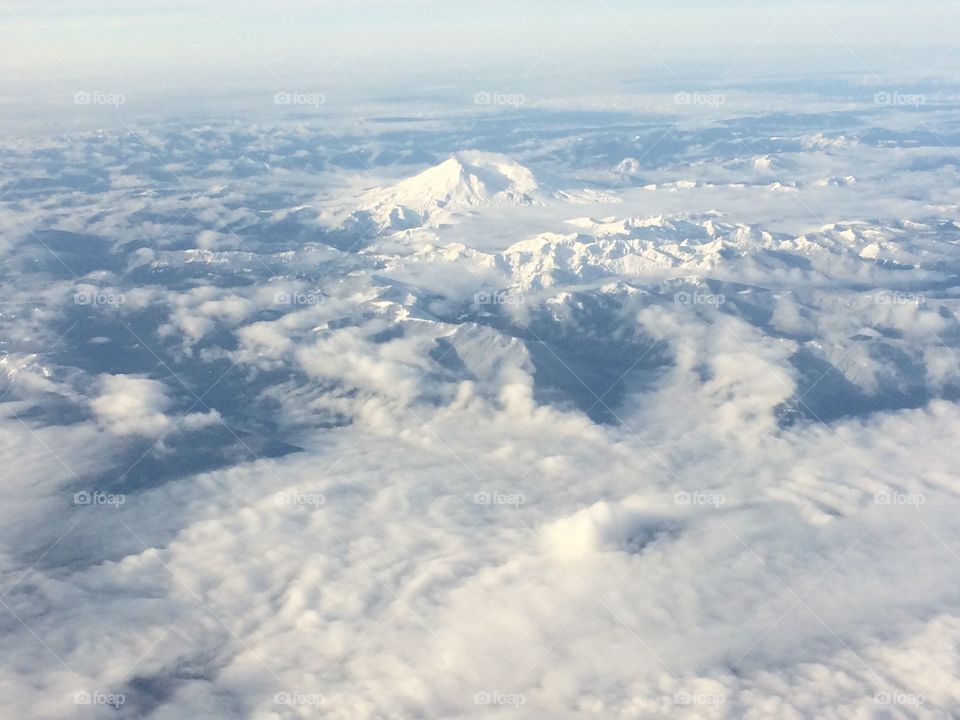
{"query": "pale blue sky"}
(395, 42)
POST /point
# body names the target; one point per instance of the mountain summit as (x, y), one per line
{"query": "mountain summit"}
(465, 181)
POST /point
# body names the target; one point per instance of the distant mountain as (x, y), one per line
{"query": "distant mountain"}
(461, 183)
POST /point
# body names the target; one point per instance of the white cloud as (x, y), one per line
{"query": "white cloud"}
(130, 405)
(127, 405)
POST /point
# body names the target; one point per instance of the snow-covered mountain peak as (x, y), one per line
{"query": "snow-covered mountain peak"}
(465, 181)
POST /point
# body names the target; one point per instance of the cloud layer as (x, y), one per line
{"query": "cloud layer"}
(674, 441)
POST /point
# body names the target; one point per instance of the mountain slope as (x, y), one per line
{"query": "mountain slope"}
(461, 183)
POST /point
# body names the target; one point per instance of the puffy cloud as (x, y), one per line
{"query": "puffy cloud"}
(130, 405)
(127, 405)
